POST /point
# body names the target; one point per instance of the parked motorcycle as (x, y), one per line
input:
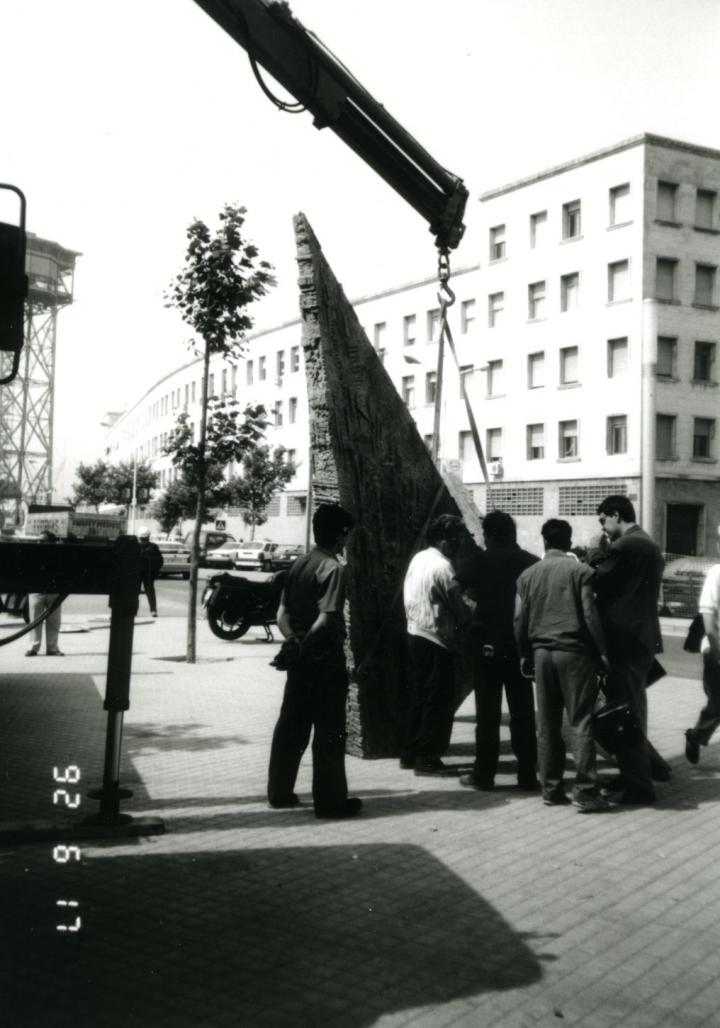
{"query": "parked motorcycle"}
(234, 604)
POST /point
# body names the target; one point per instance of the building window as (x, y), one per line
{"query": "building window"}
(290, 458)
(233, 380)
(294, 359)
(493, 444)
(223, 384)
(187, 395)
(496, 309)
(665, 436)
(409, 328)
(618, 281)
(569, 366)
(569, 291)
(211, 388)
(465, 375)
(249, 373)
(536, 370)
(379, 334)
(617, 434)
(262, 370)
(280, 363)
(571, 220)
(568, 440)
(538, 229)
(620, 204)
(494, 378)
(666, 357)
(430, 387)
(705, 200)
(192, 392)
(617, 357)
(705, 285)
(536, 301)
(665, 274)
(466, 447)
(497, 242)
(703, 362)
(428, 439)
(297, 506)
(667, 202)
(292, 410)
(408, 390)
(467, 315)
(535, 442)
(703, 433)
(382, 353)
(585, 499)
(433, 325)
(277, 411)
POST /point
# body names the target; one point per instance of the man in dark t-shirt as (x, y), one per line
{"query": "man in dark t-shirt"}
(311, 613)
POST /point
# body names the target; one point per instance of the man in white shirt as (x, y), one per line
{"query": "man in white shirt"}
(435, 610)
(709, 717)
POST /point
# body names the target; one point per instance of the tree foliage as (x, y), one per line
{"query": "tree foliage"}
(263, 474)
(102, 482)
(221, 277)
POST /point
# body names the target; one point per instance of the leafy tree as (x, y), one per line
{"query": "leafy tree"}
(111, 483)
(263, 474)
(221, 276)
(92, 485)
(176, 503)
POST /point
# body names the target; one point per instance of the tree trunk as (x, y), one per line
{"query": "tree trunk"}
(199, 516)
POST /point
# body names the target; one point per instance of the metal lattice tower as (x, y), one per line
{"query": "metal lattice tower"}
(26, 404)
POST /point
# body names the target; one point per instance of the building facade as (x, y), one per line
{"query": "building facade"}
(586, 335)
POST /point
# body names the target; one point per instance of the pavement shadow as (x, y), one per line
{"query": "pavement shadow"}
(53, 721)
(301, 937)
(143, 739)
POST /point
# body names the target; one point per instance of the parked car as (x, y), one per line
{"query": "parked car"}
(283, 557)
(223, 558)
(254, 554)
(681, 584)
(210, 539)
(176, 559)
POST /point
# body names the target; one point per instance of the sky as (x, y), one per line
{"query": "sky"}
(124, 122)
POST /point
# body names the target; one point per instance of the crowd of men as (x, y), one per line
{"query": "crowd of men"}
(565, 636)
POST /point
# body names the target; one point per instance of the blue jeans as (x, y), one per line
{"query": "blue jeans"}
(565, 681)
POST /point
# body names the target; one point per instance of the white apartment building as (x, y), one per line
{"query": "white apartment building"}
(586, 332)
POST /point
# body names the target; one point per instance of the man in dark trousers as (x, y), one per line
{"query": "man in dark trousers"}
(152, 562)
(489, 577)
(628, 573)
(560, 640)
(311, 614)
(435, 612)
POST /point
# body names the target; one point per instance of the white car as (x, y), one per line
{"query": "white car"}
(254, 555)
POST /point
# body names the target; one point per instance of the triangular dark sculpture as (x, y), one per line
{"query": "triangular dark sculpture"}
(368, 456)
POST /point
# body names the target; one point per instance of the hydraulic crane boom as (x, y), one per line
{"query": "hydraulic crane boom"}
(298, 60)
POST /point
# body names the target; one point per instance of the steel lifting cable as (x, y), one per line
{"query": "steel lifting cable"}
(446, 298)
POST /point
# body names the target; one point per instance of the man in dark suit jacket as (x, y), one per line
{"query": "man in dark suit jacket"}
(629, 568)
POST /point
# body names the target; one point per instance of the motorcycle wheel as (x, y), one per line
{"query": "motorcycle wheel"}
(227, 630)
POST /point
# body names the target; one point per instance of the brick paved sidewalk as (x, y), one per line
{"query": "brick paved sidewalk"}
(438, 906)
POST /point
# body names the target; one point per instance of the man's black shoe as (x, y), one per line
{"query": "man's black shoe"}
(692, 747)
(350, 808)
(557, 799)
(434, 769)
(407, 763)
(471, 782)
(283, 804)
(632, 798)
(610, 785)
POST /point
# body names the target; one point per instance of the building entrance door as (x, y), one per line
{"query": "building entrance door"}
(682, 528)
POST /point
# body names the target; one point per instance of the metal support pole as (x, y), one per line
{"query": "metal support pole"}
(124, 591)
